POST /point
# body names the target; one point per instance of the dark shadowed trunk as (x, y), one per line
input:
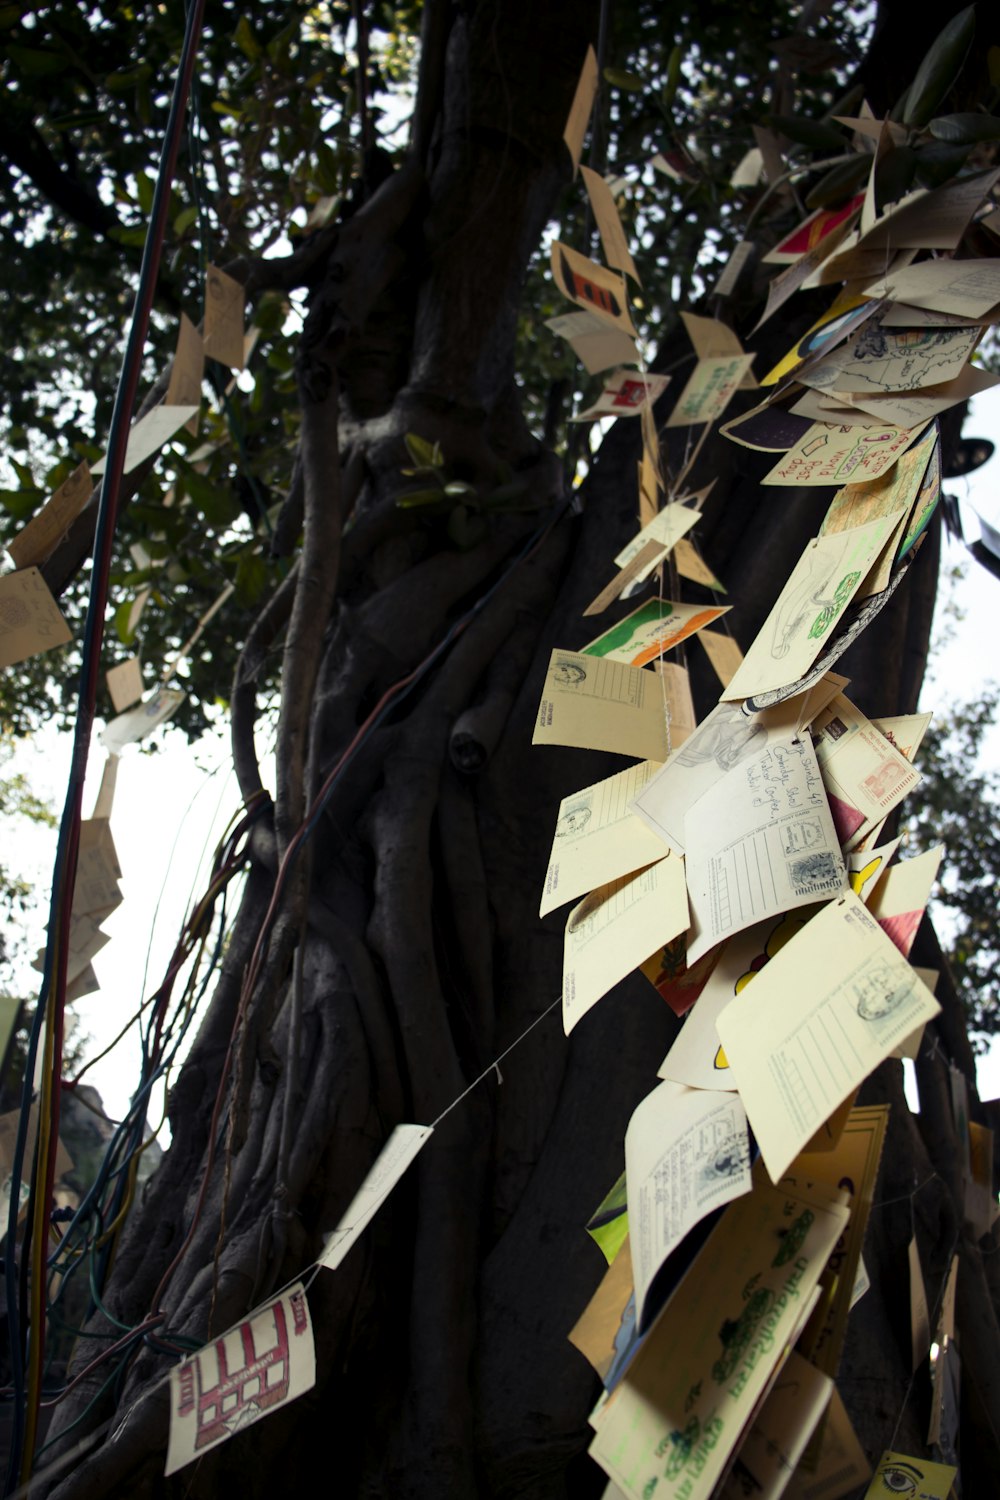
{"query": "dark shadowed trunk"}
(407, 952)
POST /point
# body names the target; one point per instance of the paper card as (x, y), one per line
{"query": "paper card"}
(604, 1328)
(851, 1165)
(651, 630)
(229, 1385)
(934, 220)
(727, 737)
(596, 343)
(960, 1111)
(898, 901)
(188, 370)
(97, 870)
(862, 1283)
(749, 169)
(125, 683)
(896, 490)
(880, 360)
(759, 843)
(846, 314)
(136, 723)
(966, 288)
(668, 972)
(710, 337)
(148, 435)
(225, 308)
(840, 1465)
(899, 1474)
(43, 532)
(788, 281)
(608, 1224)
(864, 775)
(388, 1167)
(613, 929)
(9, 1125)
(795, 1055)
(709, 390)
(30, 619)
(609, 224)
(834, 453)
(865, 869)
(647, 557)
(766, 428)
(9, 1007)
(827, 1137)
(591, 286)
(674, 1420)
(602, 705)
(780, 1432)
(666, 528)
(625, 394)
(690, 564)
(697, 1058)
(920, 1319)
(979, 1195)
(724, 654)
(912, 409)
(598, 838)
(727, 282)
(823, 582)
(856, 619)
(106, 790)
(85, 983)
(812, 231)
(580, 109)
(686, 1154)
(905, 731)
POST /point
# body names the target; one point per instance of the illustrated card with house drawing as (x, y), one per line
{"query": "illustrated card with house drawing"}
(797, 1053)
(250, 1371)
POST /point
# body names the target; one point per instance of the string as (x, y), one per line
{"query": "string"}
(495, 1063)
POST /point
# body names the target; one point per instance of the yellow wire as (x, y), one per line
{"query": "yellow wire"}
(40, 1238)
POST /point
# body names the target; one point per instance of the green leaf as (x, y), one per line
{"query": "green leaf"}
(34, 61)
(426, 455)
(410, 499)
(939, 163)
(458, 487)
(815, 134)
(965, 130)
(124, 79)
(23, 473)
(20, 503)
(619, 78)
(145, 187)
(839, 183)
(466, 528)
(219, 507)
(251, 578)
(940, 68)
(245, 39)
(184, 220)
(894, 175)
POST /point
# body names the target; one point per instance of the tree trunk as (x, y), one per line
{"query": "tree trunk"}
(406, 953)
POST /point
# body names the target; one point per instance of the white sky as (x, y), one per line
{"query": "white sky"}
(171, 808)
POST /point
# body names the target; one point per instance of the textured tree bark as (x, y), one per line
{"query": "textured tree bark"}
(442, 1358)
